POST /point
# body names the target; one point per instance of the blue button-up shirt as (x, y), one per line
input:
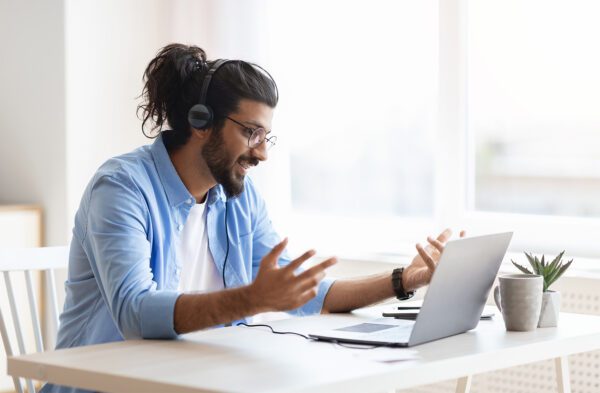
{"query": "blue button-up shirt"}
(123, 264)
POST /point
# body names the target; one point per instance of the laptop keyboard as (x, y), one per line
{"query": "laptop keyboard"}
(395, 334)
(378, 330)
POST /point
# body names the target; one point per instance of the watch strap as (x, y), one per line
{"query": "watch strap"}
(401, 294)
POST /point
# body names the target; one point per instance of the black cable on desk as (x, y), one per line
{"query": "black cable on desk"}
(273, 330)
(309, 338)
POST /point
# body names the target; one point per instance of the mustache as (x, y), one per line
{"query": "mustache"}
(250, 160)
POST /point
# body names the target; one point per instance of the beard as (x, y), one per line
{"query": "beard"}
(222, 165)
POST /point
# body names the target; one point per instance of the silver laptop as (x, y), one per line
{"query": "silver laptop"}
(453, 303)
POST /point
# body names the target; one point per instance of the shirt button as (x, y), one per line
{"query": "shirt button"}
(180, 227)
(190, 201)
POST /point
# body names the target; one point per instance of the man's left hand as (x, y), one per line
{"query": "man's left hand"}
(421, 269)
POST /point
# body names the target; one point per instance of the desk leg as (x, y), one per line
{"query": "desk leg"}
(563, 379)
(463, 385)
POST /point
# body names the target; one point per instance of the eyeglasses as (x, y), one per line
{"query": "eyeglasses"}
(256, 136)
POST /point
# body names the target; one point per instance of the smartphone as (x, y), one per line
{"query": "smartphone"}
(411, 312)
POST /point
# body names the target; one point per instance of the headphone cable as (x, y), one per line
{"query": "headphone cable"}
(227, 250)
(335, 342)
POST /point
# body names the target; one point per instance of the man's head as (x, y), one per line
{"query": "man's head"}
(241, 95)
(231, 151)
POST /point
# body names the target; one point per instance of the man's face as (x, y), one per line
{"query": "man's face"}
(227, 153)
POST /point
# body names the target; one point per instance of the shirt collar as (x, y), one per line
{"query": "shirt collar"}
(216, 194)
(176, 191)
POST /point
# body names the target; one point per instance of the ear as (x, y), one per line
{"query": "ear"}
(200, 133)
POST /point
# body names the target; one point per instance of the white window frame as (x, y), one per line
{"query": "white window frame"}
(454, 187)
(537, 233)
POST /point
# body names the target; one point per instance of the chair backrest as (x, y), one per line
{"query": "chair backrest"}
(25, 261)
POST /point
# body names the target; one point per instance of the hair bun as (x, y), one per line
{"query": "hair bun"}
(164, 78)
(199, 65)
(189, 63)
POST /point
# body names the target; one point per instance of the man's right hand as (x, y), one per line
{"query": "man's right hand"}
(279, 288)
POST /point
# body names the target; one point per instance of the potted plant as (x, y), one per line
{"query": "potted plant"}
(550, 272)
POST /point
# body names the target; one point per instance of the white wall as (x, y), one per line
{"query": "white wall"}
(32, 110)
(79, 65)
(108, 46)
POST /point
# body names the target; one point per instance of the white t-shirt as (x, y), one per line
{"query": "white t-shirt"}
(198, 269)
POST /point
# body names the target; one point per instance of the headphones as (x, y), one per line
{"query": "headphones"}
(201, 116)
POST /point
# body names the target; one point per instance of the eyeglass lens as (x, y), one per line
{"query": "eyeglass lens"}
(258, 136)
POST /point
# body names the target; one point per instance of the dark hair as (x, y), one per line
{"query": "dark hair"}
(172, 85)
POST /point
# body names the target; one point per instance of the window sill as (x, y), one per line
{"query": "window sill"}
(369, 263)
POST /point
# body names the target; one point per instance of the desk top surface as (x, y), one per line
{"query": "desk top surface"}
(242, 359)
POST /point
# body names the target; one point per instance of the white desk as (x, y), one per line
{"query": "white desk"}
(241, 359)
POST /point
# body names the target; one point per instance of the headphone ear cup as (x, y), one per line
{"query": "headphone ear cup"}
(200, 116)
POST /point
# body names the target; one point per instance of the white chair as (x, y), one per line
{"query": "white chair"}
(24, 261)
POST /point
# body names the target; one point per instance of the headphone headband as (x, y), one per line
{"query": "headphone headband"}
(200, 116)
(207, 78)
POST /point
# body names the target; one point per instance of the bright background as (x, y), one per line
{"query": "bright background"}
(396, 119)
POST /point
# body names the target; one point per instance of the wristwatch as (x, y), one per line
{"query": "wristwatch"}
(401, 294)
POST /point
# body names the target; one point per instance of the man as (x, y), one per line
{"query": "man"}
(173, 237)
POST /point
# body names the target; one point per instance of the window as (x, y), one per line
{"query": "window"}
(399, 118)
(360, 79)
(534, 106)
(358, 84)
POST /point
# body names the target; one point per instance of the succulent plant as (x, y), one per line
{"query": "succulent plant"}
(549, 271)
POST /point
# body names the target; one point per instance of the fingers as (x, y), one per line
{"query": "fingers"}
(306, 284)
(445, 235)
(306, 296)
(313, 276)
(310, 282)
(426, 257)
(317, 269)
(435, 247)
(295, 264)
(436, 243)
(273, 256)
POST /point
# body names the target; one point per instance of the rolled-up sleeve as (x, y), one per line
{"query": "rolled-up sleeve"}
(117, 245)
(156, 320)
